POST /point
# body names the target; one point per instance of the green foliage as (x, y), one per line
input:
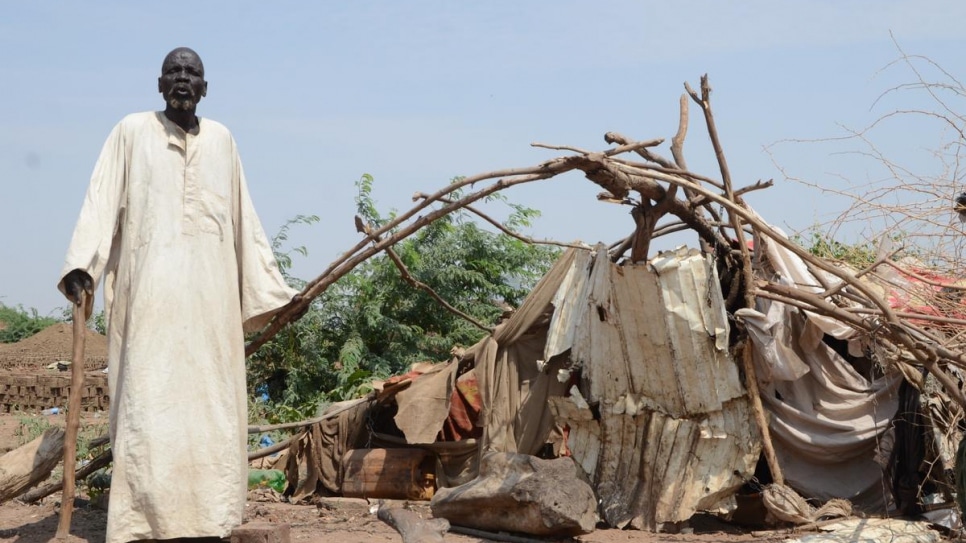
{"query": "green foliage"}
(21, 323)
(30, 428)
(372, 323)
(98, 322)
(284, 258)
(820, 244)
(86, 435)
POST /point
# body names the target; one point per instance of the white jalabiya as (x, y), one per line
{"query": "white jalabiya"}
(168, 224)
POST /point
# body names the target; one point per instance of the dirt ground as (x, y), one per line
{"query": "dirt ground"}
(331, 519)
(344, 520)
(336, 519)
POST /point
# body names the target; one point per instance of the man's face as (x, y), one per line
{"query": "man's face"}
(182, 82)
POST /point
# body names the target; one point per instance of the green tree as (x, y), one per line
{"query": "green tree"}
(372, 323)
(20, 323)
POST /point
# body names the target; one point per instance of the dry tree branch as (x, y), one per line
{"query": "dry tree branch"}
(650, 169)
(400, 229)
(419, 285)
(758, 185)
(508, 231)
(560, 148)
(645, 152)
(363, 251)
(751, 379)
(907, 315)
(677, 142)
(705, 102)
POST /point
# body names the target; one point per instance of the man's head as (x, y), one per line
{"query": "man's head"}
(182, 82)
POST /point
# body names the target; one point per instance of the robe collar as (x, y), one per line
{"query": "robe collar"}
(176, 135)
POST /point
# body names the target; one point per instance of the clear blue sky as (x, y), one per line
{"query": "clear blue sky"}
(415, 93)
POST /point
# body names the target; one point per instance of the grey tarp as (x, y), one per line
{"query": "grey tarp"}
(826, 418)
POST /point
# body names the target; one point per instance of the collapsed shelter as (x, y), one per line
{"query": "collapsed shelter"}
(683, 381)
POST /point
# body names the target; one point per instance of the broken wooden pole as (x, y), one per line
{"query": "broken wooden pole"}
(767, 446)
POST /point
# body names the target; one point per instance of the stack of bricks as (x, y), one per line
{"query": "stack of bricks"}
(25, 392)
(15, 361)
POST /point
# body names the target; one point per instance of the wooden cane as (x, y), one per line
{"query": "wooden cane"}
(73, 415)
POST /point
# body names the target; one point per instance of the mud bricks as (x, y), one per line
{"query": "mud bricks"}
(32, 392)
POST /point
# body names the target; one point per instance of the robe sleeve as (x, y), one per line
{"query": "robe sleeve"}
(262, 289)
(91, 245)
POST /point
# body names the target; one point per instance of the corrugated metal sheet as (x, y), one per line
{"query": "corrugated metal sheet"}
(674, 424)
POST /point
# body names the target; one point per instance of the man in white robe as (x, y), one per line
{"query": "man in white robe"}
(168, 224)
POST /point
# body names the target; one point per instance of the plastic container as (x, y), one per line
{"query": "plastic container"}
(401, 474)
(271, 478)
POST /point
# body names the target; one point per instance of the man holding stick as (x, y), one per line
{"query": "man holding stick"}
(168, 224)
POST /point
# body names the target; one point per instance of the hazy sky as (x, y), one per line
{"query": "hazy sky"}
(415, 93)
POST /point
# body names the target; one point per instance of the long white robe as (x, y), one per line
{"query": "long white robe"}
(168, 224)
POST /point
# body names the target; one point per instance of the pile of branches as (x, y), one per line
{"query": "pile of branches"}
(655, 187)
(630, 172)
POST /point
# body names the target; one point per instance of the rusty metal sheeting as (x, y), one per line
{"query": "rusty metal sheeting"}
(675, 432)
(659, 336)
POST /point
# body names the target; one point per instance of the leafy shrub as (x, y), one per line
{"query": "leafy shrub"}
(20, 323)
(371, 323)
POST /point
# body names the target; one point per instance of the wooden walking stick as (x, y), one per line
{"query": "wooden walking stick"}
(81, 313)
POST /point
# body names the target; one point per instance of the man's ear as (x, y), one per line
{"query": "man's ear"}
(204, 90)
(159, 85)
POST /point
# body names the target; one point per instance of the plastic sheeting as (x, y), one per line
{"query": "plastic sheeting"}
(826, 417)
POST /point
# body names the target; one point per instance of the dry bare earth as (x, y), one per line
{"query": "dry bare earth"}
(335, 519)
(332, 519)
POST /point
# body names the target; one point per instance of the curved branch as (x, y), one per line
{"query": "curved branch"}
(677, 142)
(352, 258)
(508, 231)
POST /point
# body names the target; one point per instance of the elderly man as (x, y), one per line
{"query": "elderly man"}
(168, 224)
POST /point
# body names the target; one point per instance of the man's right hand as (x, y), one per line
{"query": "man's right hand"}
(75, 282)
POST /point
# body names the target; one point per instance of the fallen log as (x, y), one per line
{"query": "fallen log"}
(24, 467)
(99, 461)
